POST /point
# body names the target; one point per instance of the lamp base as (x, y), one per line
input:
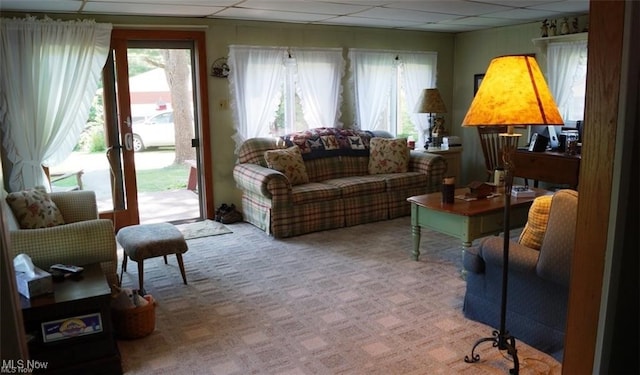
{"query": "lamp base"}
(503, 341)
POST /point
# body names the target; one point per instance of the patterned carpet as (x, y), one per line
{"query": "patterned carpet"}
(346, 301)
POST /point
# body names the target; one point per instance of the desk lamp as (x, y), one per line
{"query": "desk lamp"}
(430, 102)
(513, 93)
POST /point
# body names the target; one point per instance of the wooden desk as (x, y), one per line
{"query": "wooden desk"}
(548, 166)
(465, 220)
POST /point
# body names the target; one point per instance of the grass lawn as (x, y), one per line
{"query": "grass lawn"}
(173, 177)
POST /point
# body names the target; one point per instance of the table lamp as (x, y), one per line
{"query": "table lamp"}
(430, 102)
(513, 93)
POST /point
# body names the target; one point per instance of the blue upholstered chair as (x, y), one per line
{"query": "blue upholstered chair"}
(538, 286)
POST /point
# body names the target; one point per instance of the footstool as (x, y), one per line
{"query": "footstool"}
(145, 241)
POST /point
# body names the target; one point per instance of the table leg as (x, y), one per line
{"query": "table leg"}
(465, 246)
(415, 234)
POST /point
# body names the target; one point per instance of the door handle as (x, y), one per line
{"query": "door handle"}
(128, 141)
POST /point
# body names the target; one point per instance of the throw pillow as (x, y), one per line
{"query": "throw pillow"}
(33, 208)
(288, 161)
(533, 232)
(388, 155)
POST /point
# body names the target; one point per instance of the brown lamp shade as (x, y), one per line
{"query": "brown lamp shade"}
(430, 102)
(513, 92)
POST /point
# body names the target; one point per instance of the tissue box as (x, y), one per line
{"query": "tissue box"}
(37, 285)
(452, 141)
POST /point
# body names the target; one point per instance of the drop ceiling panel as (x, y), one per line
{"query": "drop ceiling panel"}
(369, 22)
(464, 8)
(143, 9)
(304, 7)
(62, 6)
(434, 15)
(270, 15)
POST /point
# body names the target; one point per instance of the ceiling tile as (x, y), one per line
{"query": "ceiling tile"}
(465, 8)
(63, 6)
(207, 3)
(522, 14)
(403, 15)
(445, 27)
(573, 6)
(143, 9)
(369, 22)
(304, 7)
(480, 21)
(269, 15)
(369, 3)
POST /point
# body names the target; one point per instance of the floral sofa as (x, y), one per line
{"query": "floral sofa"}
(327, 178)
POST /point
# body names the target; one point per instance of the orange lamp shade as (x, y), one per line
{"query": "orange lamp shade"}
(513, 92)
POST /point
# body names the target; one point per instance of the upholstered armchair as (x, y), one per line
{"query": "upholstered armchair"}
(539, 273)
(82, 239)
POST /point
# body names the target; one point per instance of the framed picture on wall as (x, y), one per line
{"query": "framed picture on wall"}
(477, 80)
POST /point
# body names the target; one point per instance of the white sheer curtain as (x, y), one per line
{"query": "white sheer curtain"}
(372, 73)
(255, 83)
(49, 74)
(319, 75)
(566, 72)
(418, 73)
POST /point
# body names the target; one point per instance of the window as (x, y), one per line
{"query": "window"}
(387, 85)
(567, 75)
(289, 117)
(276, 90)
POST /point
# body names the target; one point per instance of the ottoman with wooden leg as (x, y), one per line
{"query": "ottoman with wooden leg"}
(145, 241)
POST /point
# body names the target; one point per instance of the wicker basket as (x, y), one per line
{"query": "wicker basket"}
(135, 323)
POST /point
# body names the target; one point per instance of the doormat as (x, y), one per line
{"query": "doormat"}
(203, 228)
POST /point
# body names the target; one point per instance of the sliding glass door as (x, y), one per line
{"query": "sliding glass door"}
(146, 151)
(146, 148)
(156, 154)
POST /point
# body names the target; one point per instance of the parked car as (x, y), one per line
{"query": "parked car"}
(157, 131)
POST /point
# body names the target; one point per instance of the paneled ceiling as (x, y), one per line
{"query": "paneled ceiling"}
(426, 15)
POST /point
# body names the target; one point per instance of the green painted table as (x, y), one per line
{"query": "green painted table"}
(465, 220)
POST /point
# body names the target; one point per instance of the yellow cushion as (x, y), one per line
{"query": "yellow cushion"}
(33, 208)
(288, 161)
(536, 226)
(388, 155)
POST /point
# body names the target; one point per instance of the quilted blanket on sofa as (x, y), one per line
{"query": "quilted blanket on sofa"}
(324, 142)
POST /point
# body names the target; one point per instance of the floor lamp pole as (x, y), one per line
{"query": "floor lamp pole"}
(501, 338)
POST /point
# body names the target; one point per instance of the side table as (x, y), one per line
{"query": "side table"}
(70, 331)
(453, 156)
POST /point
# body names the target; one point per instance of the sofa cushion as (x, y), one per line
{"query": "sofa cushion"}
(288, 161)
(322, 169)
(404, 181)
(533, 232)
(33, 208)
(388, 155)
(314, 192)
(359, 185)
